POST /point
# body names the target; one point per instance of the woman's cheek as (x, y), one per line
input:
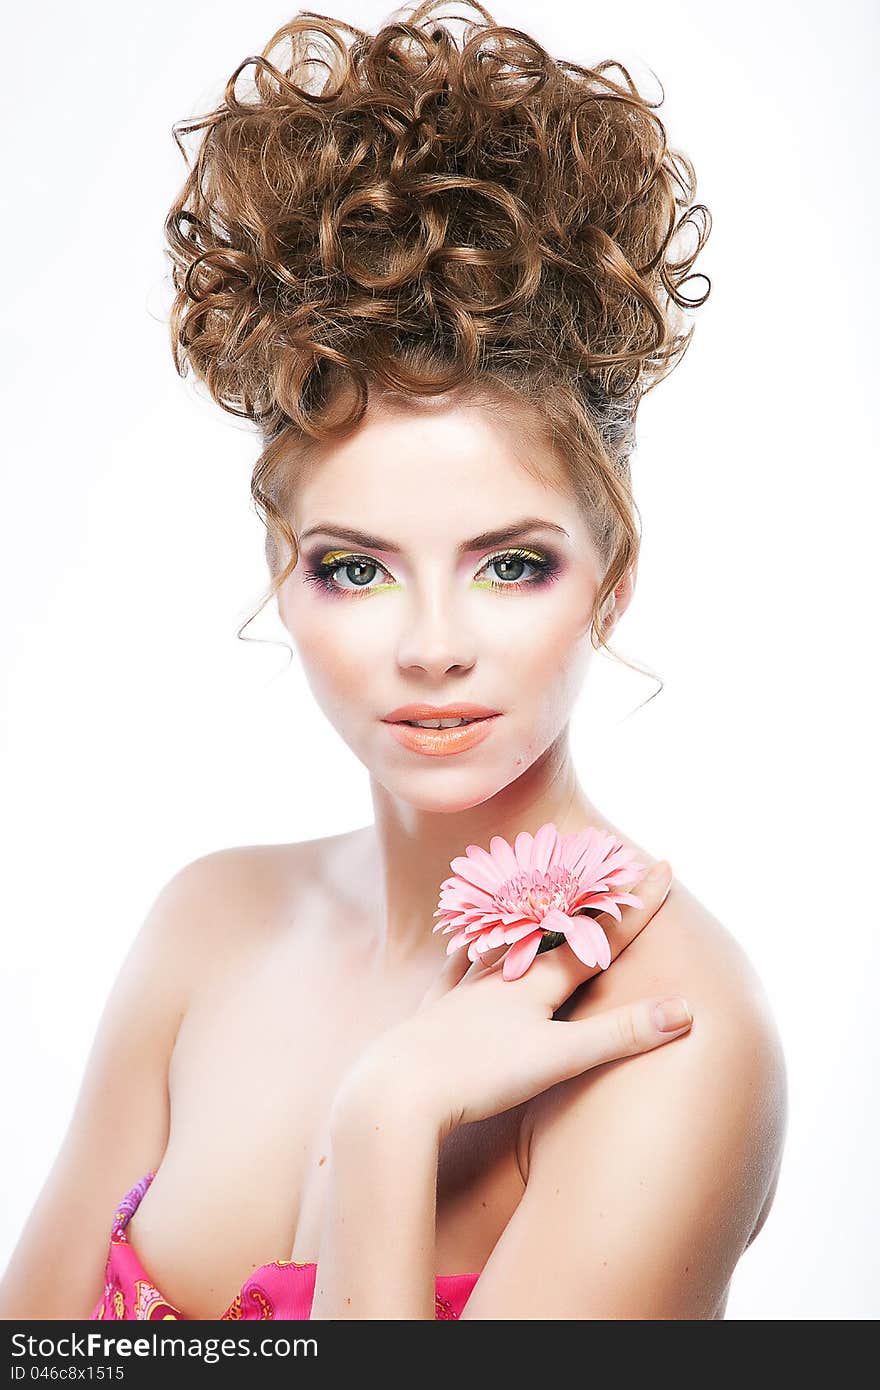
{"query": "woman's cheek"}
(552, 665)
(545, 634)
(337, 657)
(336, 649)
(324, 627)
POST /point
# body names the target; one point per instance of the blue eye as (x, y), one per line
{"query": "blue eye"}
(512, 565)
(357, 573)
(341, 572)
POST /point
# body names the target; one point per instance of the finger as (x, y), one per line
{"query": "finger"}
(484, 963)
(455, 970)
(487, 961)
(622, 1032)
(555, 974)
(653, 889)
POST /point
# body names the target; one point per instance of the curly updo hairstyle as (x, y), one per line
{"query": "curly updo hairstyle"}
(399, 216)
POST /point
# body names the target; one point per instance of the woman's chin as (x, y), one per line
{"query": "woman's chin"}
(446, 794)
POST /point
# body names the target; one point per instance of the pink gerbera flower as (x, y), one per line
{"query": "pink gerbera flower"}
(543, 884)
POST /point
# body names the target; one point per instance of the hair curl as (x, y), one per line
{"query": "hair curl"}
(408, 214)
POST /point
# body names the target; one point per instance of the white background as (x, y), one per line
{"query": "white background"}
(141, 733)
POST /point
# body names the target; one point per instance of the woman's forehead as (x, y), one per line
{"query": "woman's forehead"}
(454, 470)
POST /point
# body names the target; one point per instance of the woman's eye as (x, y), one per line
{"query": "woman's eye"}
(358, 574)
(354, 574)
(514, 568)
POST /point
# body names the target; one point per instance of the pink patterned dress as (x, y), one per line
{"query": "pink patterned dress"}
(280, 1289)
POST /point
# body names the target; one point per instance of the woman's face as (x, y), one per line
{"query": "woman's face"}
(435, 569)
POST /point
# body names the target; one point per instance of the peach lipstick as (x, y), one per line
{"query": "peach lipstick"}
(404, 724)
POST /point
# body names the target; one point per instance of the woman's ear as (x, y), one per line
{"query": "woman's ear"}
(626, 588)
(619, 601)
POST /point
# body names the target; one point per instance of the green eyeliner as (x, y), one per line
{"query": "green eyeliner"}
(333, 560)
(382, 589)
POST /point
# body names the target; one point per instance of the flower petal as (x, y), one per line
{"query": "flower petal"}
(519, 930)
(555, 920)
(522, 848)
(482, 943)
(481, 856)
(474, 871)
(546, 845)
(520, 956)
(630, 899)
(502, 853)
(608, 902)
(621, 863)
(588, 941)
(605, 902)
(466, 889)
(460, 939)
(485, 919)
(573, 846)
(590, 864)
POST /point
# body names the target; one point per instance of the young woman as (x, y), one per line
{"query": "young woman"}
(439, 271)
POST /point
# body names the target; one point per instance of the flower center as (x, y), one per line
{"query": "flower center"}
(534, 893)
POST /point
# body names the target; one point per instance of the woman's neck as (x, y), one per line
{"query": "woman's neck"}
(413, 848)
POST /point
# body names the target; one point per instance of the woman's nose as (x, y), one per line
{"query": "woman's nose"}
(435, 641)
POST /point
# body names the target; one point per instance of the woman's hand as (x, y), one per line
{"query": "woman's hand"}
(479, 1044)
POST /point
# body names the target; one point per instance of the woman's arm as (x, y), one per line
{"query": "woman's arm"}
(647, 1177)
(399, 1102)
(376, 1258)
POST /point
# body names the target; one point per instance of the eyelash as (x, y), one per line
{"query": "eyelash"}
(322, 572)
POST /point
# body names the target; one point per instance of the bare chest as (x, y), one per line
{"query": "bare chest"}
(260, 1054)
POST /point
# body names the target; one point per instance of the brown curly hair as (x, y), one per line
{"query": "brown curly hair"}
(414, 213)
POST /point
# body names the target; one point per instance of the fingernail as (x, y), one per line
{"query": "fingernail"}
(672, 1013)
(653, 878)
(659, 871)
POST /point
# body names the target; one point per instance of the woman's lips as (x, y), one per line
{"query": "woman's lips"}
(437, 743)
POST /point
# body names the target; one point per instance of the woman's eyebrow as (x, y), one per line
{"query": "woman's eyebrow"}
(482, 542)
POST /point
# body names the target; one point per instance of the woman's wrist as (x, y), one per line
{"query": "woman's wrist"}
(378, 1098)
(382, 1176)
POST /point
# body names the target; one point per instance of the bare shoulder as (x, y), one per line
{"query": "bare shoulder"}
(648, 1176)
(727, 1074)
(211, 902)
(272, 864)
(241, 891)
(119, 1127)
(685, 949)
